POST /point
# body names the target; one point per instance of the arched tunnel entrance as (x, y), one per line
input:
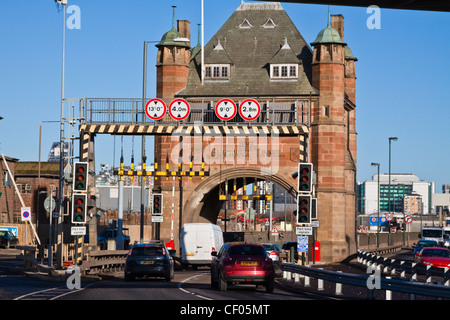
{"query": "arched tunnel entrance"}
(204, 205)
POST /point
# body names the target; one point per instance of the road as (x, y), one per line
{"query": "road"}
(186, 286)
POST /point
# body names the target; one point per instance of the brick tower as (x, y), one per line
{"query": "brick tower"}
(333, 140)
(172, 68)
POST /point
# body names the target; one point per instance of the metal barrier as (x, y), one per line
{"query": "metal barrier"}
(104, 261)
(384, 283)
(404, 267)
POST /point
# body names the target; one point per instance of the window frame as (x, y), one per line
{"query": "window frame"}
(284, 71)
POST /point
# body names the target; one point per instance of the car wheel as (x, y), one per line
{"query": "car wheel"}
(270, 286)
(222, 283)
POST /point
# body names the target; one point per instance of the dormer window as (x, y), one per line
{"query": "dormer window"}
(284, 71)
(217, 71)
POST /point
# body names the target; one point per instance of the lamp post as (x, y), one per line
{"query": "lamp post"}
(389, 190)
(378, 219)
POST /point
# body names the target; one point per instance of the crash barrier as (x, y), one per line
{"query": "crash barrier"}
(405, 269)
(292, 272)
(104, 261)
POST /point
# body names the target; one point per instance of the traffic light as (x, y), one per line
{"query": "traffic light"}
(80, 177)
(304, 208)
(157, 203)
(79, 208)
(305, 177)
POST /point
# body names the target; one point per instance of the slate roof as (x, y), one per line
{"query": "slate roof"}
(250, 46)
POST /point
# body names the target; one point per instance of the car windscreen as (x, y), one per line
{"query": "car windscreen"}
(246, 250)
(436, 253)
(432, 233)
(148, 251)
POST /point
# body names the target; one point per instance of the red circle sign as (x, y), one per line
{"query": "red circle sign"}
(249, 109)
(155, 109)
(226, 109)
(179, 109)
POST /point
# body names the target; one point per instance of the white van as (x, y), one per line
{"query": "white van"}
(433, 233)
(197, 242)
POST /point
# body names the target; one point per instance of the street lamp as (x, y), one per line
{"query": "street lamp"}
(389, 190)
(378, 219)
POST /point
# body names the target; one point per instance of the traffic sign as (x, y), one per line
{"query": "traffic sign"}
(155, 109)
(179, 109)
(226, 109)
(49, 201)
(303, 231)
(249, 109)
(302, 244)
(274, 231)
(389, 216)
(408, 219)
(78, 231)
(25, 212)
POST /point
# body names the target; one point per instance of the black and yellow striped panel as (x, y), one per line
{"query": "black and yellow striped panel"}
(191, 130)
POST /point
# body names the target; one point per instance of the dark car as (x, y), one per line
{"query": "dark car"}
(424, 243)
(242, 263)
(105, 235)
(291, 244)
(8, 239)
(149, 260)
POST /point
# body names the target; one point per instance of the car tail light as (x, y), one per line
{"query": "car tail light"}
(273, 253)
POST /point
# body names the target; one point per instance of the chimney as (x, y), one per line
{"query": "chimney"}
(184, 27)
(337, 23)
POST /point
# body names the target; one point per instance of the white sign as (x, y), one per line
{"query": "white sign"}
(226, 109)
(274, 231)
(157, 219)
(26, 213)
(302, 244)
(179, 109)
(314, 224)
(249, 109)
(155, 109)
(78, 231)
(303, 231)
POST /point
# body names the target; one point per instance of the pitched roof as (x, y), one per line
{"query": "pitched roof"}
(252, 38)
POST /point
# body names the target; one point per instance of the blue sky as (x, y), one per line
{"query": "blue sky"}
(402, 73)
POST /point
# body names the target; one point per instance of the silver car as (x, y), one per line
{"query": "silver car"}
(273, 250)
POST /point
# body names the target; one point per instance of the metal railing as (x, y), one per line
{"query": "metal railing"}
(289, 112)
(410, 286)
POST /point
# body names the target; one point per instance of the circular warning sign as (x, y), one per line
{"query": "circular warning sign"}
(249, 109)
(155, 109)
(179, 109)
(389, 216)
(408, 219)
(226, 109)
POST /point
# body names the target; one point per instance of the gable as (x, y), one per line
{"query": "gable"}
(251, 49)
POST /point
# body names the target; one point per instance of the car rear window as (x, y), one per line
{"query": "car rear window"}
(436, 253)
(246, 250)
(148, 251)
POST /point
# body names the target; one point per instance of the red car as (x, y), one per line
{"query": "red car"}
(435, 257)
(242, 263)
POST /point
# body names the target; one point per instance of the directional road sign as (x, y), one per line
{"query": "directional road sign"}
(155, 109)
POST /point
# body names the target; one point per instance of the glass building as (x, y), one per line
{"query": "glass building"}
(401, 186)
